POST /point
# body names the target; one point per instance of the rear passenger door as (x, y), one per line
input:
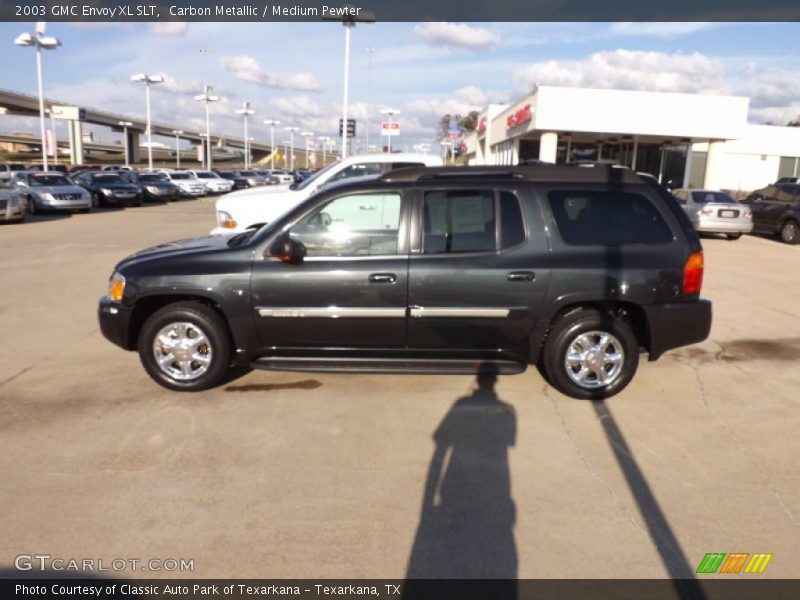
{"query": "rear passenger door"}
(478, 269)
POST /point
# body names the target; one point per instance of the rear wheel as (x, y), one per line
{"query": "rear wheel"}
(790, 232)
(590, 355)
(185, 347)
(734, 236)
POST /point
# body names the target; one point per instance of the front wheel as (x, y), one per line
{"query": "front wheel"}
(185, 347)
(790, 233)
(590, 355)
(32, 210)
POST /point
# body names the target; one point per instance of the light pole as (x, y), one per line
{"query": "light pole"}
(286, 154)
(271, 124)
(52, 112)
(148, 80)
(208, 98)
(245, 111)
(291, 131)
(125, 125)
(391, 112)
(177, 133)
(370, 52)
(40, 41)
(324, 141)
(309, 136)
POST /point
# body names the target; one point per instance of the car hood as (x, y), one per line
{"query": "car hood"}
(251, 209)
(120, 187)
(176, 248)
(161, 184)
(57, 189)
(257, 191)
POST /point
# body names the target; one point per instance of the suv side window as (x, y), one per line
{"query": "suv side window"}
(459, 221)
(512, 227)
(404, 165)
(352, 225)
(357, 170)
(607, 218)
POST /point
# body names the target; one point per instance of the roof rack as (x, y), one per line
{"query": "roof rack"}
(537, 172)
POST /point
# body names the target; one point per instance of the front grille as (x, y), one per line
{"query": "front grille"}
(3, 204)
(67, 196)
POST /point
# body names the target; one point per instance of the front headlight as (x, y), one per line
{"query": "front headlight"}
(152, 189)
(45, 196)
(116, 287)
(225, 220)
(106, 191)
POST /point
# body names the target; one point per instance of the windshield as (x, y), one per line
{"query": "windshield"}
(153, 178)
(248, 174)
(108, 179)
(205, 175)
(181, 176)
(316, 177)
(704, 197)
(35, 180)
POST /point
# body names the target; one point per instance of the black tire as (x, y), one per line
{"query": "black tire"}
(32, 210)
(83, 211)
(206, 320)
(790, 232)
(95, 200)
(566, 331)
(733, 236)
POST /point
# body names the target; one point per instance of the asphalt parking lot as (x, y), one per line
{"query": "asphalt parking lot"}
(289, 475)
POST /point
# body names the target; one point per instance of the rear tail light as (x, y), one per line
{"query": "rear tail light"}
(693, 273)
(705, 211)
(748, 213)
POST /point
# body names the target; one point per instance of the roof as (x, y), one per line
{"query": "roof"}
(596, 174)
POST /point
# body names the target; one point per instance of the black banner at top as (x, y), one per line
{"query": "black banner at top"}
(399, 10)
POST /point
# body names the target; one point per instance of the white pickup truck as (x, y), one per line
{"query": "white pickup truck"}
(239, 210)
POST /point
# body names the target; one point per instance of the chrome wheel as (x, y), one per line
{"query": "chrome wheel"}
(594, 359)
(789, 232)
(182, 351)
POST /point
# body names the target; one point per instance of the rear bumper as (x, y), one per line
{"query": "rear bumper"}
(722, 226)
(675, 325)
(115, 321)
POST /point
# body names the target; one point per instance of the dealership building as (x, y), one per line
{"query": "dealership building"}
(690, 140)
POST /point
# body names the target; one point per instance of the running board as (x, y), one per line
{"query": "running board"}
(390, 365)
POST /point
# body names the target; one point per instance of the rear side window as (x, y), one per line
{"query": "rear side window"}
(459, 221)
(404, 165)
(607, 218)
(512, 228)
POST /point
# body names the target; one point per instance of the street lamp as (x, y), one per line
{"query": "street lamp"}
(148, 80)
(125, 125)
(271, 124)
(40, 41)
(291, 131)
(391, 112)
(286, 153)
(370, 52)
(309, 136)
(208, 98)
(324, 141)
(177, 133)
(245, 111)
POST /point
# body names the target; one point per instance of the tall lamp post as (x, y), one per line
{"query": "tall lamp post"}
(125, 125)
(309, 136)
(370, 52)
(271, 124)
(324, 141)
(40, 41)
(291, 131)
(148, 80)
(177, 133)
(286, 154)
(246, 111)
(208, 98)
(391, 112)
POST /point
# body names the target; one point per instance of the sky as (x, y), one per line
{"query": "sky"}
(293, 72)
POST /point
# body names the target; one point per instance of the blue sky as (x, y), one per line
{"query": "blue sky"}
(293, 71)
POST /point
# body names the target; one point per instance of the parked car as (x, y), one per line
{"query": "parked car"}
(239, 183)
(788, 180)
(75, 168)
(12, 205)
(50, 191)
(108, 188)
(155, 186)
(279, 175)
(117, 168)
(241, 210)
(213, 182)
(51, 168)
(711, 211)
(268, 176)
(190, 186)
(776, 210)
(8, 170)
(252, 177)
(456, 270)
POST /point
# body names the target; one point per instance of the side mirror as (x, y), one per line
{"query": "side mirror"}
(288, 250)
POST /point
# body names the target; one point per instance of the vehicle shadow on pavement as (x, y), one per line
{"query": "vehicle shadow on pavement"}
(305, 384)
(468, 515)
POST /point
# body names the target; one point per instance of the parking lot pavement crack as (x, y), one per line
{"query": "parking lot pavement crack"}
(738, 442)
(14, 376)
(593, 473)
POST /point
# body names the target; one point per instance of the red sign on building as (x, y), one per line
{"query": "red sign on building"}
(481, 125)
(523, 115)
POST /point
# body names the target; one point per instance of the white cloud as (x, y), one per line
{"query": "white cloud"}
(658, 29)
(630, 70)
(459, 102)
(455, 35)
(169, 28)
(246, 68)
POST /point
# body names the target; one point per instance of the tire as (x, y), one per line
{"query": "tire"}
(733, 236)
(95, 201)
(177, 323)
(790, 232)
(32, 210)
(601, 336)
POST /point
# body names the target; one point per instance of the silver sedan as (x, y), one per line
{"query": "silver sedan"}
(711, 211)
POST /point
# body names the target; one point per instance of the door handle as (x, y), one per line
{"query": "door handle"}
(383, 278)
(521, 276)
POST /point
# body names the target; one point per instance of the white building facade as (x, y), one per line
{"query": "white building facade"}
(690, 140)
